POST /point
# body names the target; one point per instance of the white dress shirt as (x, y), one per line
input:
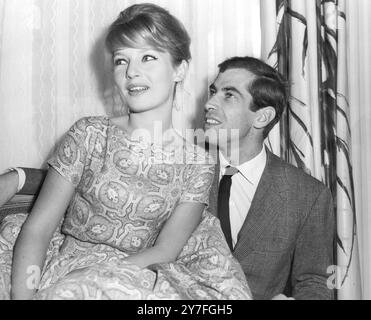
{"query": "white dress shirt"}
(244, 184)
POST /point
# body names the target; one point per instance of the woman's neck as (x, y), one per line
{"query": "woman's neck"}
(152, 118)
(153, 126)
(149, 121)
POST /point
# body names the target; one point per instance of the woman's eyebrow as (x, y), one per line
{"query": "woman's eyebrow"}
(117, 53)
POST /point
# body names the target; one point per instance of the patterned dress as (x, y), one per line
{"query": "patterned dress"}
(125, 190)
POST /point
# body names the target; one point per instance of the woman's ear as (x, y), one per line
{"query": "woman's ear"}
(181, 71)
(264, 117)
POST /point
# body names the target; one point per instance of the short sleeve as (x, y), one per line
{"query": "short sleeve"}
(198, 181)
(70, 156)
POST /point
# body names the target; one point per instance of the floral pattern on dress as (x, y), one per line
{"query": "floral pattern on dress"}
(125, 192)
(118, 178)
(78, 270)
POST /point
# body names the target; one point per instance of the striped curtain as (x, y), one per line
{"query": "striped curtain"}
(315, 135)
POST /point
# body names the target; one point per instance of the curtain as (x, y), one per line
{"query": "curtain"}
(54, 69)
(359, 79)
(311, 51)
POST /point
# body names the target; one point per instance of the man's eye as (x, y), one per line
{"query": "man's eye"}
(212, 93)
(119, 62)
(149, 58)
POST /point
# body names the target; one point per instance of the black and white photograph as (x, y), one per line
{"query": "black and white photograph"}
(185, 150)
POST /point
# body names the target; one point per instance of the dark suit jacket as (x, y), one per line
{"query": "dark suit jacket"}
(288, 234)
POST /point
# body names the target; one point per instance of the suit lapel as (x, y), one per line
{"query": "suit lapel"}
(267, 203)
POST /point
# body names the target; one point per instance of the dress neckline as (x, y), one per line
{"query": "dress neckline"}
(128, 137)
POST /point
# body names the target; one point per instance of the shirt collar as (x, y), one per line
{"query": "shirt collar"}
(252, 170)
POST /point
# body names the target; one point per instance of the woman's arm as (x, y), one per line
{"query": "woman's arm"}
(172, 237)
(34, 238)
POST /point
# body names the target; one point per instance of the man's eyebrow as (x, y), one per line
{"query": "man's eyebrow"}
(233, 89)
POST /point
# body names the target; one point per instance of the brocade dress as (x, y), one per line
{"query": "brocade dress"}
(125, 191)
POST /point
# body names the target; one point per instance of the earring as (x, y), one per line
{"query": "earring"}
(178, 96)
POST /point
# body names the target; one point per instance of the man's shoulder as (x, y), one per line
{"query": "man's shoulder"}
(296, 177)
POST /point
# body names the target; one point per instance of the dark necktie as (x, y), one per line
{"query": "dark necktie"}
(223, 203)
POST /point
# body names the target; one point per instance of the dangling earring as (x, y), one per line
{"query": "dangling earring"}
(178, 96)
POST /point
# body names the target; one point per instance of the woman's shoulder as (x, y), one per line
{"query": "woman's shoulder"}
(196, 154)
(96, 122)
(120, 121)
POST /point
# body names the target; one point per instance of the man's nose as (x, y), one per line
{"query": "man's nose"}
(210, 104)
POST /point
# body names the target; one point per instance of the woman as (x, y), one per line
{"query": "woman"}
(133, 197)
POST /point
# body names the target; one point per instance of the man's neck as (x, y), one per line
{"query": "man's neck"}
(242, 152)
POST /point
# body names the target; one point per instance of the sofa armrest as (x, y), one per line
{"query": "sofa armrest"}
(23, 201)
(34, 181)
(18, 204)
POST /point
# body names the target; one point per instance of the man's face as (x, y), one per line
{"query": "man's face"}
(228, 106)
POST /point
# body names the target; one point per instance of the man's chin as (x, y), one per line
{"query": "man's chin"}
(211, 136)
(208, 127)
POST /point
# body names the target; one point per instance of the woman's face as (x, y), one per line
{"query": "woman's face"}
(145, 77)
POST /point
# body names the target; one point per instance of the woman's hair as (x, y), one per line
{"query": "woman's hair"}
(150, 25)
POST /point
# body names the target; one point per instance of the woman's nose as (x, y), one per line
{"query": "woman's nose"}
(132, 70)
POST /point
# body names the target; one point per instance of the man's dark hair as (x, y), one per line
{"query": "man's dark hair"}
(268, 88)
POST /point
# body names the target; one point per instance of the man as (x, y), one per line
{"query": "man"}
(281, 225)
(278, 220)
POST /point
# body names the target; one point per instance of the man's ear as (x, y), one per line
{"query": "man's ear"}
(264, 117)
(181, 71)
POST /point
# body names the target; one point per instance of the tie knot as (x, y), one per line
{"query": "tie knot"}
(230, 171)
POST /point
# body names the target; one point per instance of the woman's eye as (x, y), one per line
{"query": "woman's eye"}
(119, 62)
(149, 58)
(229, 95)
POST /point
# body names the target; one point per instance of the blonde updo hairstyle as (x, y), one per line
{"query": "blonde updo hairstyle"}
(150, 25)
